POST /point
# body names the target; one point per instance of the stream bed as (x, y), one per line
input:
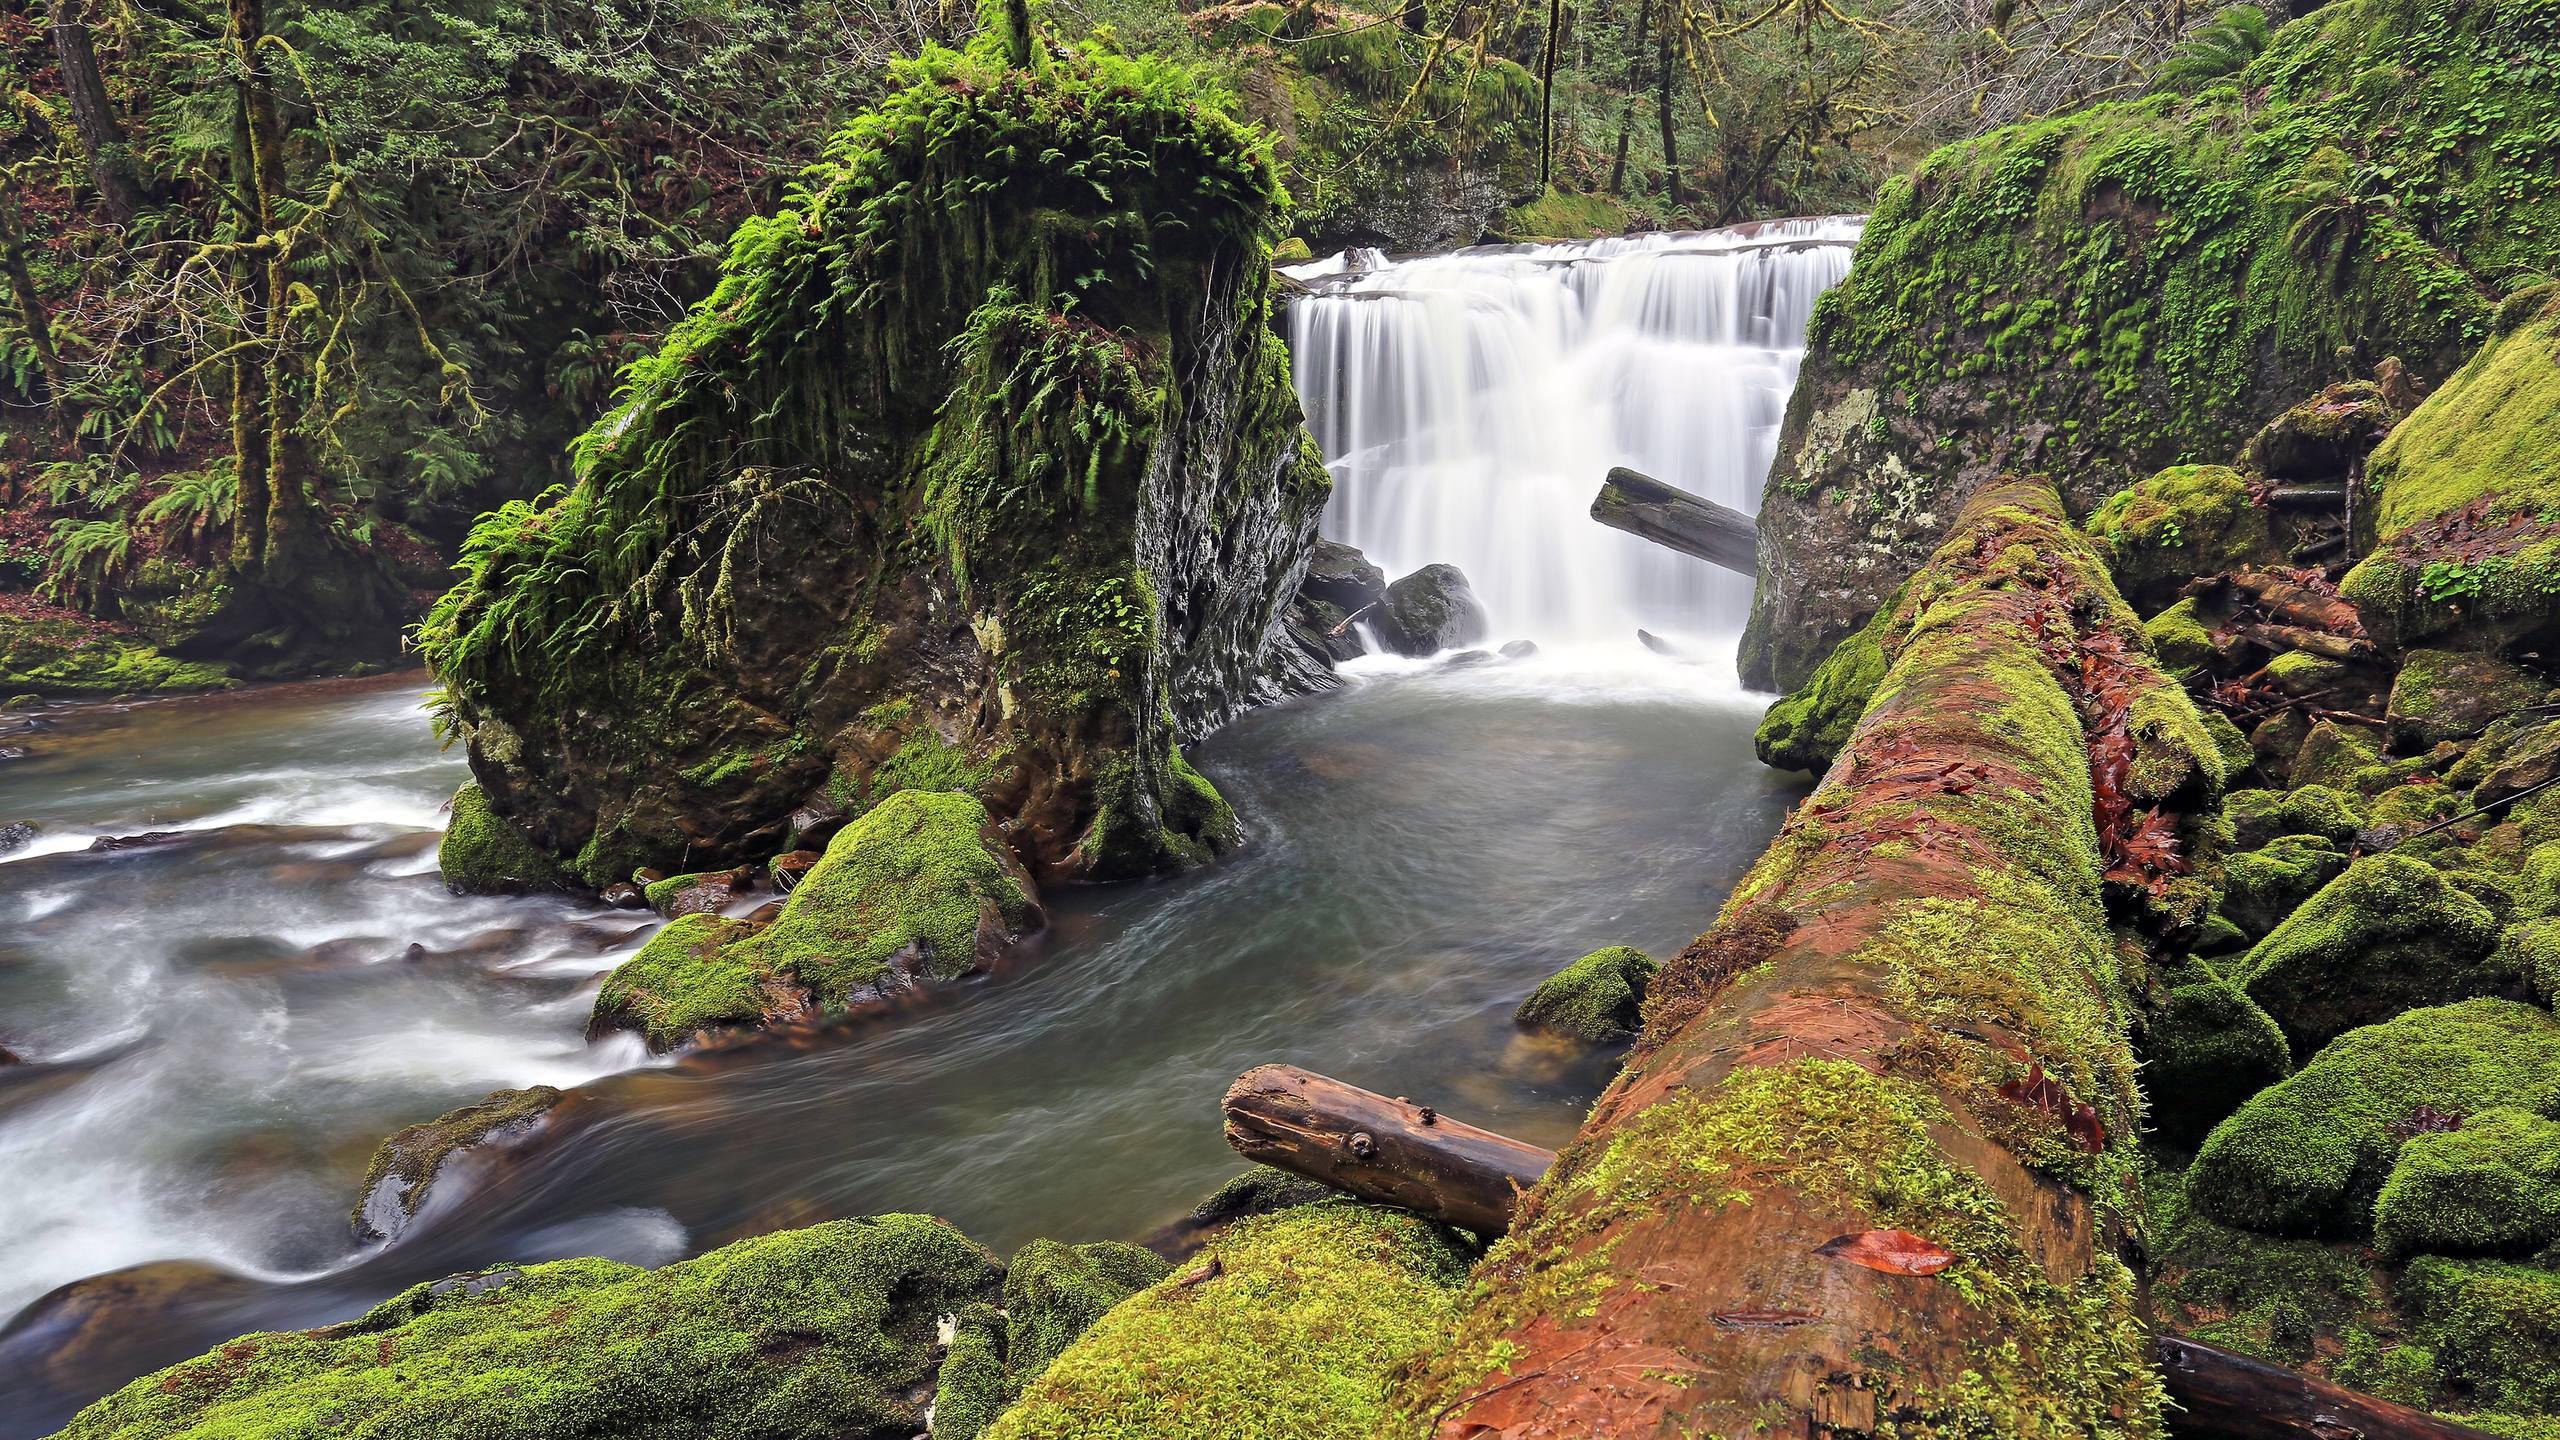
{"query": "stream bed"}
(222, 1025)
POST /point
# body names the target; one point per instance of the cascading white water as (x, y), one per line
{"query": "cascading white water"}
(1469, 404)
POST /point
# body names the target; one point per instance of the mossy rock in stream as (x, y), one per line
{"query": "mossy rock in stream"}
(80, 657)
(918, 889)
(2308, 1155)
(2388, 934)
(484, 853)
(1054, 1293)
(980, 469)
(827, 1331)
(1597, 999)
(1286, 1328)
(395, 1183)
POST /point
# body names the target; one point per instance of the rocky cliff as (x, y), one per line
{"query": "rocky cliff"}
(2119, 289)
(980, 470)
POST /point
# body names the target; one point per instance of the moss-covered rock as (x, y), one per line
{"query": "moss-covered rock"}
(2490, 1186)
(484, 853)
(2289, 1301)
(2238, 755)
(2332, 754)
(981, 468)
(2261, 887)
(2205, 1048)
(1431, 610)
(1596, 999)
(2181, 639)
(918, 889)
(2326, 437)
(76, 656)
(970, 1392)
(2185, 521)
(1805, 730)
(2322, 811)
(1288, 1327)
(2308, 1155)
(2389, 934)
(2492, 1328)
(2531, 948)
(1054, 1293)
(395, 1183)
(2463, 514)
(827, 1331)
(2448, 695)
(2141, 284)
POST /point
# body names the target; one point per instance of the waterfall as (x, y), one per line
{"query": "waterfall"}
(1468, 405)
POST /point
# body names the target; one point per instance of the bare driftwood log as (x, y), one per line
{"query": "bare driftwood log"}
(2317, 642)
(1392, 1150)
(1667, 515)
(2299, 604)
(1445, 1169)
(2313, 495)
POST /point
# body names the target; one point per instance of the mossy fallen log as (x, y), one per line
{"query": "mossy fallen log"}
(1866, 1165)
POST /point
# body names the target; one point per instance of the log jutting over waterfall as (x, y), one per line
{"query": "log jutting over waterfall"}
(1668, 515)
(1868, 1166)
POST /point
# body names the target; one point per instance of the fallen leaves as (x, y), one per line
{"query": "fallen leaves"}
(1895, 1252)
(2041, 1092)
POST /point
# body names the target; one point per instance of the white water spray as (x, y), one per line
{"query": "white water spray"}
(1469, 404)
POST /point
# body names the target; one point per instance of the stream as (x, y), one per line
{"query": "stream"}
(223, 1021)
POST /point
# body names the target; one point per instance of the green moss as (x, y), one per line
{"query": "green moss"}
(2489, 1187)
(2178, 635)
(2495, 1327)
(685, 981)
(1053, 1294)
(925, 761)
(2531, 948)
(1292, 1333)
(83, 658)
(970, 1392)
(2281, 1300)
(2237, 754)
(408, 1162)
(2307, 1156)
(662, 893)
(1805, 730)
(2263, 886)
(2331, 755)
(2205, 1048)
(2388, 934)
(483, 853)
(2445, 695)
(2320, 811)
(823, 1331)
(2185, 521)
(2301, 673)
(1567, 215)
(1596, 999)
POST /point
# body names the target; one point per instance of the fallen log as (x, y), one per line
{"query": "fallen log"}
(1390, 1150)
(2302, 605)
(1310, 1125)
(2310, 495)
(2317, 642)
(1670, 516)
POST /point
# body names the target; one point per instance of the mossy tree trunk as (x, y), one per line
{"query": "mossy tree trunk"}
(1867, 1169)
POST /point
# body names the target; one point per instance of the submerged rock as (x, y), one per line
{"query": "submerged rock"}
(828, 1331)
(395, 1183)
(1596, 999)
(958, 482)
(17, 836)
(918, 889)
(1287, 1325)
(1431, 610)
(483, 852)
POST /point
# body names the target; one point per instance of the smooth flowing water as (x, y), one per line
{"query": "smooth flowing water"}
(1470, 403)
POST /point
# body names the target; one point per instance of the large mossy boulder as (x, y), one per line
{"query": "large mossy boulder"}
(2146, 283)
(485, 853)
(395, 1183)
(828, 1331)
(2389, 934)
(2320, 811)
(2206, 1047)
(2307, 1156)
(1289, 1325)
(2261, 887)
(2492, 1327)
(980, 469)
(2490, 1185)
(2444, 695)
(2186, 521)
(1596, 999)
(1054, 1293)
(2461, 507)
(918, 889)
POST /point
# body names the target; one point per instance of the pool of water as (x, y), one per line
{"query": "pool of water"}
(224, 1025)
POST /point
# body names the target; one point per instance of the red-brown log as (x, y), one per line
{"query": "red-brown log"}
(1396, 1151)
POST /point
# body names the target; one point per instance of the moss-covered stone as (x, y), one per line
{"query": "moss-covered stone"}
(76, 656)
(1288, 1327)
(2237, 753)
(1054, 1293)
(1596, 999)
(2531, 948)
(1805, 730)
(2332, 754)
(2447, 695)
(1260, 1190)
(970, 1393)
(2493, 1328)
(2185, 521)
(2261, 887)
(917, 889)
(2308, 1155)
(396, 1181)
(2326, 437)
(2389, 934)
(827, 1331)
(2206, 1047)
(2322, 811)
(2491, 1186)
(2182, 640)
(2289, 1301)
(2301, 674)
(484, 853)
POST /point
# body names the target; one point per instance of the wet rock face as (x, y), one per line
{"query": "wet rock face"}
(968, 534)
(17, 836)
(1431, 610)
(395, 1183)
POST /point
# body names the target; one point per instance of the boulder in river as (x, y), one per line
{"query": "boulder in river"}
(17, 836)
(918, 889)
(1596, 999)
(1342, 577)
(1431, 610)
(828, 1331)
(485, 853)
(706, 892)
(395, 1184)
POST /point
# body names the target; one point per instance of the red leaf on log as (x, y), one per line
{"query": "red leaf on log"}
(2084, 1128)
(1763, 1319)
(1895, 1252)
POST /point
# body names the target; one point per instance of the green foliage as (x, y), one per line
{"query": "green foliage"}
(2217, 50)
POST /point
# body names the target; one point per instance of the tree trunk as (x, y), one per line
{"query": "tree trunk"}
(249, 431)
(32, 315)
(1669, 516)
(93, 114)
(2232, 1397)
(1627, 112)
(1670, 123)
(1392, 1150)
(1869, 1165)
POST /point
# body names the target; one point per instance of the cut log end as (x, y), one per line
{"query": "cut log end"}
(1672, 517)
